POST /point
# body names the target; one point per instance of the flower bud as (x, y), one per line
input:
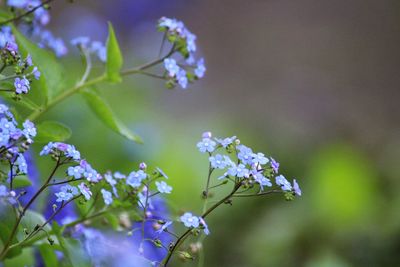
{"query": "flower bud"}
(207, 135)
(142, 166)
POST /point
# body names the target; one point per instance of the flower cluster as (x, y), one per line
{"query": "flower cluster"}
(41, 15)
(24, 70)
(36, 21)
(92, 47)
(184, 42)
(239, 162)
(14, 141)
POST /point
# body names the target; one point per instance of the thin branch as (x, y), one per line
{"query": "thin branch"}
(25, 14)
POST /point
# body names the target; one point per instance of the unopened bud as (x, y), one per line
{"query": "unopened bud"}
(142, 166)
(207, 135)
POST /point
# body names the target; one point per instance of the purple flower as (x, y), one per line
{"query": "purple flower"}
(274, 165)
(206, 135)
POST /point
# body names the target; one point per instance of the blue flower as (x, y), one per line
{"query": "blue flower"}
(200, 68)
(76, 172)
(296, 188)
(242, 171)
(118, 175)
(36, 73)
(100, 50)
(7, 127)
(29, 129)
(171, 67)
(190, 41)
(67, 192)
(283, 183)
(21, 164)
(260, 179)
(47, 149)
(163, 227)
(218, 161)
(226, 142)
(81, 41)
(21, 85)
(259, 158)
(18, 3)
(189, 220)
(85, 191)
(73, 153)
(163, 187)
(182, 79)
(245, 154)
(3, 191)
(107, 196)
(206, 145)
(135, 178)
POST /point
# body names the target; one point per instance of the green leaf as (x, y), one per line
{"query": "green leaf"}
(51, 79)
(33, 218)
(48, 255)
(26, 258)
(114, 57)
(72, 248)
(21, 181)
(7, 221)
(104, 113)
(52, 131)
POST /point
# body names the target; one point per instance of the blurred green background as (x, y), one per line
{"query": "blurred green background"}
(313, 83)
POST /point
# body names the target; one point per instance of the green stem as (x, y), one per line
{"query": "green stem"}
(6, 247)
(80, 85)
(185, 235)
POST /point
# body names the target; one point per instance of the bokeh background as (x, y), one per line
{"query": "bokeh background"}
(313, 83)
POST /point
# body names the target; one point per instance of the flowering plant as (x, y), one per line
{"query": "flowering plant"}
(31, 81)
